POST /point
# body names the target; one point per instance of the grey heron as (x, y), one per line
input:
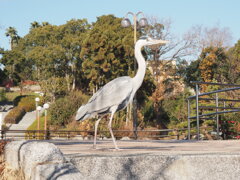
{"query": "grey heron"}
(118, 93)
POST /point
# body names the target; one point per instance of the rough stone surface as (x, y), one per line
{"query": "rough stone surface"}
(12, 153)
(214, 167)
(171, 167)
(168, 159)
(35, 153)
(64, 171)
(138, 160)
(39, 160)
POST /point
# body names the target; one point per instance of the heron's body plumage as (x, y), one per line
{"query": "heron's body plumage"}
(118, 93)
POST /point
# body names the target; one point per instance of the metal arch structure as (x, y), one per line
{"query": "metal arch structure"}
(219, 110)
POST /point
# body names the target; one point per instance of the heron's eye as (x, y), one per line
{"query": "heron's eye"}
(144, 37)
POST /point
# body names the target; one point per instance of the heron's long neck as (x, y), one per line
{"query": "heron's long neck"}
(138, 79)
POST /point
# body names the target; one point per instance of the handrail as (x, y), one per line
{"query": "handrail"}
(57, 133)
(217, 84)
(214, 107)
(215, 113)
(213, 92)
(220, 99)
(90, 131)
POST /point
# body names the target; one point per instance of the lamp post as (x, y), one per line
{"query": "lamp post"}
(45, 106)
(38, 119)
(1, 122)
(142, 22)
(37, 99)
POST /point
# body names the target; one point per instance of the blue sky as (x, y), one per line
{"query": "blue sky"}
(183, 13)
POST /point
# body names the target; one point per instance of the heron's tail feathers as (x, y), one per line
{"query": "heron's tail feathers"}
(82, 113)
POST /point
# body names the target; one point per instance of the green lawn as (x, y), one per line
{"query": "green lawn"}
(34, 125)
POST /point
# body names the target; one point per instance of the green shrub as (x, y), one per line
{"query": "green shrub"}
(28, 103)
(2, 95)
(15, 115)
(209, 123)
(63, 109)
(148, 112)
(182, 125)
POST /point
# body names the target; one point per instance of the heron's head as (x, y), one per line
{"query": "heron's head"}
(148, 41)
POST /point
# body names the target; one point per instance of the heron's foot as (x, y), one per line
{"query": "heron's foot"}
(117, 149)
(94, 147)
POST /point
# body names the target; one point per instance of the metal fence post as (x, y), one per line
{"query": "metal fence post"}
(135, 117)
(217, 116)
(2, 134)
(1, 122)
(189, 125)
(197, 111)
(178, 134)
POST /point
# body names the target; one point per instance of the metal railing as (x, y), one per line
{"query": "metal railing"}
(54, 134)
(217, 112)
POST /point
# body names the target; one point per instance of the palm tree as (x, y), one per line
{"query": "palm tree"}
(45, 23)
(35, 24)
(12, 33)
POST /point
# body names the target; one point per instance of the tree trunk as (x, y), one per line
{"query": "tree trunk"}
(68, 83)
(74, 83)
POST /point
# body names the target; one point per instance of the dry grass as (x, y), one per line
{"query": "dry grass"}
(6, 172)
(10, 174)
(2, 145)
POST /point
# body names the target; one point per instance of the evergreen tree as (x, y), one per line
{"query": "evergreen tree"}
(233, 64)
(107, 51)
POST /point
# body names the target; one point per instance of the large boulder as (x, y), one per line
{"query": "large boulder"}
(39, 160)
(12, 154)
(57, 171)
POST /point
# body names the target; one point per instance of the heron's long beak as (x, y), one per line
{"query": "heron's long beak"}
(159, 42)
(155, 43)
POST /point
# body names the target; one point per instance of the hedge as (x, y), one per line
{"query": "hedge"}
(2, 95)
(17, 100)
(28, 103)
(15, 115)
(23, 104)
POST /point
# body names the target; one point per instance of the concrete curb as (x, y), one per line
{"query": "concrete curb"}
(39, 161)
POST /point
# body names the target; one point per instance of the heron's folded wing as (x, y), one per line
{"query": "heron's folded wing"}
(113, 93)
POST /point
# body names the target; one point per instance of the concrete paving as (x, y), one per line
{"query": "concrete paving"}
(5, 109)
(25, 122)
(161, 147)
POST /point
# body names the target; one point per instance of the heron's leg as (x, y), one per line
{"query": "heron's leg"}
(95, 133)
(110, 129)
